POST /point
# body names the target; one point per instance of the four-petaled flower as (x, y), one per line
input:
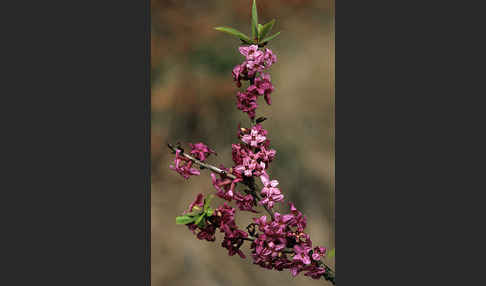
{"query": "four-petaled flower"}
(183, 166)
(254, 138)
(200, 151)
(302, 254)
(318, 252)
(263, 86)
(248, 166)
(270, 191)
(225, 187)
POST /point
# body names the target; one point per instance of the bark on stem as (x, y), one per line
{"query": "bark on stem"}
(249, 183)
(207, 166)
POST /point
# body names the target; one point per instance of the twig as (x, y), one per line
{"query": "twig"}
(249, 183)
(207, 166)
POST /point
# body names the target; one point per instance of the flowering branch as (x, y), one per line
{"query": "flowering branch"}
(281, 242)
(202, 164)
(250, 184)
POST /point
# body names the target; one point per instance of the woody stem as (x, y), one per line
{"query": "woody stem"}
(249, 183)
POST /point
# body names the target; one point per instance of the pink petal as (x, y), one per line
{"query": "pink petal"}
(274, 183)
(265, 178)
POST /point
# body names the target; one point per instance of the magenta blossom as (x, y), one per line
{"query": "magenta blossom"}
(245, 203)
(302, 254)
(183, 166)
(263, 86)
(250, 52)
(207, 233)
(233, 237)
(267, 249)
(197, 204)
(269, 58)
(259, 128)
(318, 252)
(233, 245)
(265, 155)
(270, 191)
(250, 166)
(254, 138)
(225, 187)
(280, 222)
(200, 151)
(296, 269)
(237, 74)
(299, 221)
(246, 102)
(239, 152)
(255, 59)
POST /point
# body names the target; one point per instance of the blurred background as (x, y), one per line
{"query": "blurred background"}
(193, 100)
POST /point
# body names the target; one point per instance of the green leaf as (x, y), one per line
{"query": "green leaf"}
(185, 219)
(331, 253)
(200, 218)
(254, 20)
(207, 201)
(233, 32)
(194, 213)
(270, 38)
(202, 224)
(209, 212)
(265, 29)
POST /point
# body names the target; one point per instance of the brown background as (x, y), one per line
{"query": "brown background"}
(193, 99)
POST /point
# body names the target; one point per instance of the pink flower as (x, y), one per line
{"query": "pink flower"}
(198, 203)
(246, 102)
(268, 185)
(296, 269)
(318, 252)
(247, 167)
(255, 59)
(237, 74)
(281, 222)
(183, 166)
(299, 220)
(233, 245)
(263, 86)
(245, 203)
(269, 58)
(266, 155)
(225, 187)
(302, 254)
(254, 138)
(200, 151)
(250, 51)
(271, 194)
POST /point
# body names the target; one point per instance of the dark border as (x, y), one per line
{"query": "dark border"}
(76, 143)
(148, 132)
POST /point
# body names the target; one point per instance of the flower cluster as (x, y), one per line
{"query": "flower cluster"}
(208, 231)
(256, 61)
(200, 151)
(280, 242)
(183, 166)
(281, 236)
(233, 237)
